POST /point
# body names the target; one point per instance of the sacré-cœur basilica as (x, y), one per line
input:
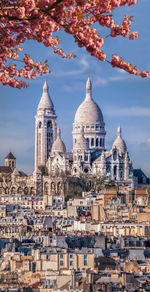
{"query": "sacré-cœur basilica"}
(88, 155)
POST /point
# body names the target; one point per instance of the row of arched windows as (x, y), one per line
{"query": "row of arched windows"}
(98, 142)
(18, 190)
(49, 125)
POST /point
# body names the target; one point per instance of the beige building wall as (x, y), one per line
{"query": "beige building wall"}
(85, 261)
(143, 217)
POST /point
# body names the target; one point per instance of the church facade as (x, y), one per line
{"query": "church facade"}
(88, 155)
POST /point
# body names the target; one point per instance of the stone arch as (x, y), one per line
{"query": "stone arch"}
(53, 188)
(26, 191)
(32, 191)
(46, 188)
(13, 190)
(74, 170)
(57, 169)
(6, 190)
(59, 187)
(20, 191)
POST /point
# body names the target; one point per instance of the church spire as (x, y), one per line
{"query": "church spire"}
(46, 102)
(119, 131)
(58, 133)
(88, 89)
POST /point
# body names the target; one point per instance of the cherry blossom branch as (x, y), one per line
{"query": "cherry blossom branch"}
(40, 19)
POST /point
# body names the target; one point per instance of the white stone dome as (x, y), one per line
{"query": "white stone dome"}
(81, 143)
(58, 145)
(88, 112)
(119, 143)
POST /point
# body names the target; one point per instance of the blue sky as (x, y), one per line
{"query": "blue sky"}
(124, 99)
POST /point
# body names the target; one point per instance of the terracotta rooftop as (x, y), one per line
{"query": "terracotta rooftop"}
(141, 191)
(110, 191)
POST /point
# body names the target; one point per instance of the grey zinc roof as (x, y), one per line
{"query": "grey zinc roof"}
(10, 156)
(137, 254)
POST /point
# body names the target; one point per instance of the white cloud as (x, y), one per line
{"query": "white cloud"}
(99, 81)
(129, 111)
(84, 66)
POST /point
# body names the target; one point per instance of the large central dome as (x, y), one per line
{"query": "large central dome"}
(88, 112)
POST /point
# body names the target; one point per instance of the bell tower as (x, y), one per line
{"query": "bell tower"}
(45, 128)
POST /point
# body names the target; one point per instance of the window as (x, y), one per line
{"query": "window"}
(61, 263)
(49, 124)
(96, 142)
(92, 141)
(86, 157)
(101, 142)
(40, 125)
(71, 263)
(61, 256)
(71, 256)
(87, 141)
(85, 260)
(115, 170)
(115, 155)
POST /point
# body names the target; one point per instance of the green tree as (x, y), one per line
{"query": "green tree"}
(43, 169)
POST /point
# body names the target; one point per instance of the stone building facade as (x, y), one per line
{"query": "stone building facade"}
(88, 155)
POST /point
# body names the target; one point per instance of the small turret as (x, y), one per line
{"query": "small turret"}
(10, 160)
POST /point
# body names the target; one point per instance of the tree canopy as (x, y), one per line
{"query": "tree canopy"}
(39, 20)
